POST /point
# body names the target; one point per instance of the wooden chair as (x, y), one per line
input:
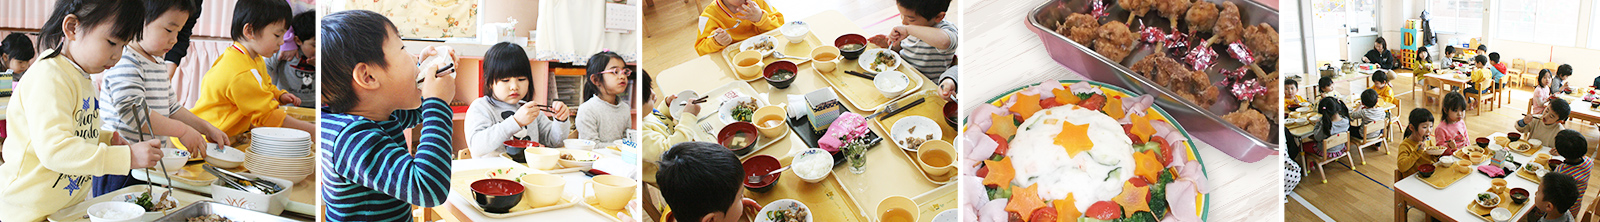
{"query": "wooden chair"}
(1432, 88)
(1513, 74)
(1322, 157)
(1381, 141)
(1482, 98)
(1520, 67)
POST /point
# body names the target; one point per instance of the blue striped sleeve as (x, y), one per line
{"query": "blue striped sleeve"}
(381, 162)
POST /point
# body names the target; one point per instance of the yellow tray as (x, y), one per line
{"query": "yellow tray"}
(933, 108)
(859, 92)
(460, 182)
(780, 44)
(829, 199)
(1444, 177)
(1525, 174)
(935, 201)
(1505, 202)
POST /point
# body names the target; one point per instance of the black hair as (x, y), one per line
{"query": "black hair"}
(154, 8)
(258, 14)
(124, 17)
(1324, 82)
(350, 38)
(1422, 50)
(1329, 107)
(16, 46)
(1571, 145)
(645, 83)
(597, 64)
(1453, 101)
(1382, 43)
(1483, 48)
(1560, 190)
(1369, 98)
(699, 178)
(1494, 57)
(925, 8)
(505, 60)
(1291, 82)
(1380, 76)
(1449, 49)
(304, 25)
(1561, 108)
(1564, 70)
(1418, 117)
(1480, 59)
(1542, 74)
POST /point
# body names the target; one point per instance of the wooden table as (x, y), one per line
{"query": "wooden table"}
(1011, 56)
(1446, 78)
(1450, 203)
(705, 73)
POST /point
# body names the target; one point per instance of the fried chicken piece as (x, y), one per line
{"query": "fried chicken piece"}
(1228, 28)
(1194, 86)
(1268, 102)
(1251, 121)
(1202, 16)
(1079, 27)
(1172, 10)
(1263, 42)
(1135, 8)
(1115, 40)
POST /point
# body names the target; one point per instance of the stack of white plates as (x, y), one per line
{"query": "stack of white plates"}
(280, 153)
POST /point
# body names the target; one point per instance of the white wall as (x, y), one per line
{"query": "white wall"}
(1396, 12)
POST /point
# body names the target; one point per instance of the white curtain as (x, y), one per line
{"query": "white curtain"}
(572, 30)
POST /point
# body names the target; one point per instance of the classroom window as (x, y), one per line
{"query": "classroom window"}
(1550, 22)
(1463, 17)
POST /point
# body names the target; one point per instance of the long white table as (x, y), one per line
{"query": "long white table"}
(1450, 203)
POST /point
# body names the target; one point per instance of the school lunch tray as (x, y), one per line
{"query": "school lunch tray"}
(779, 44)
(80, 212)
(860, 93)
(834, 199)
(1205, 123)
(460, 182)
(711, 122)
(932, 107)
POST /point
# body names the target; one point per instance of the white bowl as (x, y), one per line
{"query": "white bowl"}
(946, 216)
(683, 100)
(227, 158)
(783, 205)
(795, 31)
(270, 204)
(1500, 214)
(923, 129)
(172, 160)
(891, 83)
(725, 111)
(1447, 160)
(750, 44)
(578, 144)
(115, 211)
(867, 57)
(582, 159)
(812, 165)
(1495, 201)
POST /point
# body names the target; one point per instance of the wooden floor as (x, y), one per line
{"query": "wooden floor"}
(671, 25)
(1350, 195)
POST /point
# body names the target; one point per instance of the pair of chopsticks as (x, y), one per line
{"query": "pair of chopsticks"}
(542, 107)
(862, 75)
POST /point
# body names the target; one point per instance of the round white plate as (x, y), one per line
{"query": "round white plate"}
(914, 127)
(871, 54)
(725, 111)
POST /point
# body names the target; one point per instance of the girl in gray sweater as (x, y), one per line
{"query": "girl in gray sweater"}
(503, 113)
(605, 115)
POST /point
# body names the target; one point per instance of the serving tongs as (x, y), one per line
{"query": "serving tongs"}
(149, 129)
(239, 182)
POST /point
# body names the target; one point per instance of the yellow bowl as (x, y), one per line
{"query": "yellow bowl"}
(825, 58)
(770, 121)
(936, 157)
(747, 64)
(897, 209)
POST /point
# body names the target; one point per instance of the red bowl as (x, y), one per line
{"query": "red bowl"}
(1483, 142)
(766, 73)
(497, 195)
(1425, 170)
(1519, 190)
(847, 39)
(1514, 136)
(760, 165)
(737, 128)
(522, 144)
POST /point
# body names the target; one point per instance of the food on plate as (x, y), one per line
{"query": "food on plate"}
(743, 111)
(1115, 40)
(1079, 28)
(1194, 86)
(1251, 121)
(1263, 42)
(883, 62)
(1228, 28)
(1135, 8)
(209, 218)
(150, 204)
(760, 43)
(793, 213)
(1202, 16)
(1487, 199)
(1172, 10)
(1531, 168)
(913, 142)
(1081, 152)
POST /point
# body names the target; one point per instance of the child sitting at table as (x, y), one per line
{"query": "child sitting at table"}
(238, 94)
(1558, 194)
(16, 54)
(1558, 85)
(1423, 64)
(1291, 89)
(1570, 145)
(1480, 80)
(1541, 94)
(1368, 115)
(726, 22)
(369, 85)
(703, 182)
(1324, 87)
(501, 115)
(1380, 84)
(1452, 132)
(1555, 116)
(604, 116)
(925, 39)
(1417, 133)
(1498, 69)
(1335, 120)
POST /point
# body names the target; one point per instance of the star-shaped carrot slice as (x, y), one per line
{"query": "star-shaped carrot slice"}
(1113, 107)
(1075, 138)
(1026, 105)
(1065, 96)
(1133, 199)
(1004, 126)
(1000, 172)
(1067, 209)
(1141, 127)
(1024, 201)
(1148, 165)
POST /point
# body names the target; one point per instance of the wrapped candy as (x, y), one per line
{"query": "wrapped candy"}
(1241, 52)
(1151, 35)
(1200, 58)
(1177, 40)
(1244, 89)
(1098, 9)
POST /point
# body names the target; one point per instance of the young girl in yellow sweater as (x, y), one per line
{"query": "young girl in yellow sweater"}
(56, 145)
(1417, 136)
(729, 21)
(238, 93)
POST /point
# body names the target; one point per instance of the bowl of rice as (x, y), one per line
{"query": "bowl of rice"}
(812, 165)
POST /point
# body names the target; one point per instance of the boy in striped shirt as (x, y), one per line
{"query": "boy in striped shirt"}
(925, 40)
(369, 85)
(1571, 145)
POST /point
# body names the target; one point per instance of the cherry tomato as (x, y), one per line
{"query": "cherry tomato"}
(1104, 210)
(1044, 214)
